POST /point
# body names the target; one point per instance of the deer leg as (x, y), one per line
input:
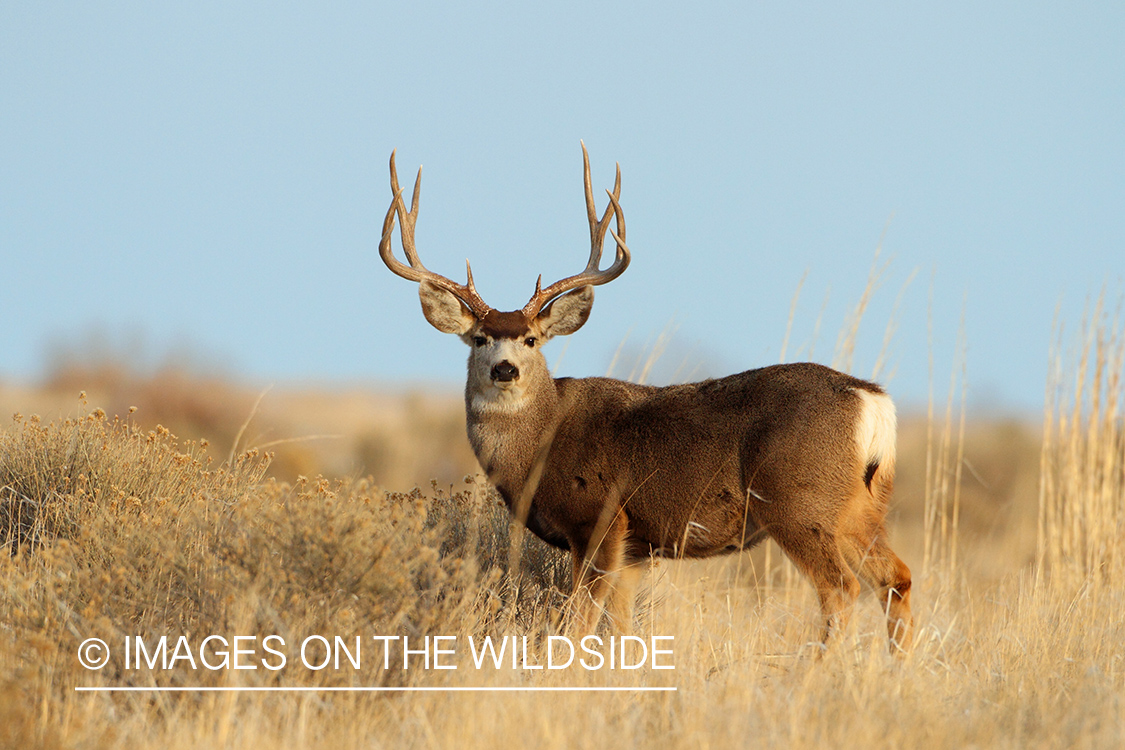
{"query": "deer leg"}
(882, 570)
(817, 554)
(623, 598)
(582, 605)
(838, 589)
(595, 572)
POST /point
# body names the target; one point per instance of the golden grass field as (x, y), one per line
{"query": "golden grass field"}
(115, 528)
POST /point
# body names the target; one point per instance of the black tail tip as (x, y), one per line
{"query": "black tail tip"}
(869, 473)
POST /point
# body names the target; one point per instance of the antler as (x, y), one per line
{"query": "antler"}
(466, 293)
(591, 276)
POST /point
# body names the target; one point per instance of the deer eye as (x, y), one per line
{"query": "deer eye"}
(479, 340)
(530, 341)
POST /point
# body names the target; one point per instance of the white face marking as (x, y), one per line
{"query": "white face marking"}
(508, 396)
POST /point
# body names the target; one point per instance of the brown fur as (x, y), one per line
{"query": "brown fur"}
(504, 325)
(703, 469)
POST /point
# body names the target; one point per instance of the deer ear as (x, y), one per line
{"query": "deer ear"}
(444, 311)
(568, 313)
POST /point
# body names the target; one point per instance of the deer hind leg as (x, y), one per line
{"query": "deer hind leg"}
(863, 536)
(597, 571)
(883, 570)
(815, 551)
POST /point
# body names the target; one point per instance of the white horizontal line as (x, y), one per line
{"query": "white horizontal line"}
(364, 689)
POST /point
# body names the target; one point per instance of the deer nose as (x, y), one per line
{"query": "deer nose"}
(505, 372)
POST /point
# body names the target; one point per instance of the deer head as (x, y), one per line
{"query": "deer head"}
(505, 361)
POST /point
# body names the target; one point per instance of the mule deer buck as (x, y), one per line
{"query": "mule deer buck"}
(617, 472)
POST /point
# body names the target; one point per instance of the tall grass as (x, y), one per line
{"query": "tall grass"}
(1081, 533)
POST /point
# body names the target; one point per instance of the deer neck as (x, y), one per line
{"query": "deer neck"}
(508, 428)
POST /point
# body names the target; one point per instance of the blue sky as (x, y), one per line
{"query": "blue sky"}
(213, 178)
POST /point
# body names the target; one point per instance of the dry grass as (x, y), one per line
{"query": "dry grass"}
(114, 530)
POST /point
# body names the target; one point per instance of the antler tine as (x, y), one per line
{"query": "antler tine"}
(591, 210)
(469, 284)
(597, 227)
(466, 293)
(591, 276)
(619, 235)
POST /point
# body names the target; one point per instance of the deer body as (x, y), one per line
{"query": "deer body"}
(700, 469)
(617, 472)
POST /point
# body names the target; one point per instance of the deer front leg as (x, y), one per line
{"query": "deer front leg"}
(597, 572)
(623, 597)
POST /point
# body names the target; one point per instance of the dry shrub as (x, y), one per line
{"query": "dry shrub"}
(57, 478)
(116, 532)
(478, 528)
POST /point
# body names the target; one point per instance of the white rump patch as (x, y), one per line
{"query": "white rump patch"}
(875, 431)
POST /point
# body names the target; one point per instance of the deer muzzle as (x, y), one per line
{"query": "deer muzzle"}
(505, 372)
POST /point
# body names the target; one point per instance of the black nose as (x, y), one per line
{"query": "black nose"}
(505, 372)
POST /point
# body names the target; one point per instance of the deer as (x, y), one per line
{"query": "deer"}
(618, 473)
